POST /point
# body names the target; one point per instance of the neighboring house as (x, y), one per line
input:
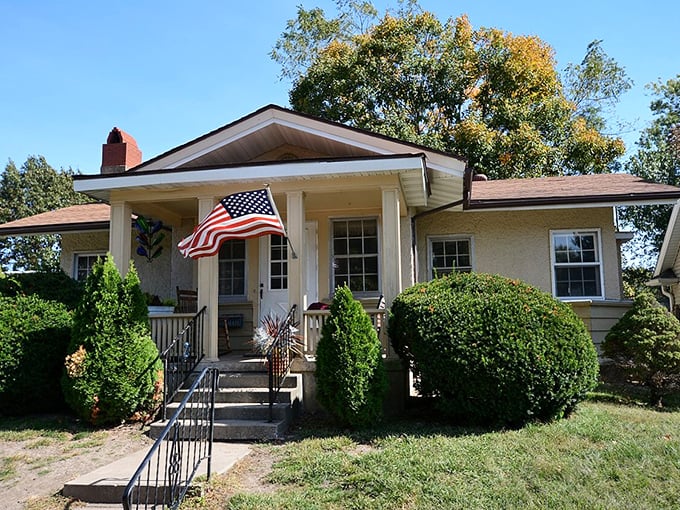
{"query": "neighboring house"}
(668, 264)
(369, 210)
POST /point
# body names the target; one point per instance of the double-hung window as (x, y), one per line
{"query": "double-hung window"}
(83, 263)
(232, 269)
(577, 264)
(449, 254)
(355, 254)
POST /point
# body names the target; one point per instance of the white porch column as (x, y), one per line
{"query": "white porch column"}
(208, 269)
(120, 235)
(295, 228)
(391, 244)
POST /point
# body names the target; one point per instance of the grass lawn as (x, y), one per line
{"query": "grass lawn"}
(611, 454)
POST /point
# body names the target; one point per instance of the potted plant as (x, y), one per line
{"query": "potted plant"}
(156, 306)
(264, 338)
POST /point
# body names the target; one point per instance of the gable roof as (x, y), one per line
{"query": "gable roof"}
(670, 249)
(569, 191)
(76, 218)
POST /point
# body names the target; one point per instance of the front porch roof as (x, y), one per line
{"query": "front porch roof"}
(670, 249)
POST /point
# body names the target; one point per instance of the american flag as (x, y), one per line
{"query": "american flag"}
(239, 216)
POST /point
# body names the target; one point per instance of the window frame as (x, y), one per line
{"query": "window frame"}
(230, 298)
(599, 263)
(78, 254)
(449, 237)
(283, 261)
(331, 253)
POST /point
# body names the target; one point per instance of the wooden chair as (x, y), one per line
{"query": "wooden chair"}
(227, 340)
(187, 301)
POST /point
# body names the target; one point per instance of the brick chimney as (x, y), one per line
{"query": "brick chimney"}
(119, 153)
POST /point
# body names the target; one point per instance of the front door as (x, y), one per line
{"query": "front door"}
(274, 272)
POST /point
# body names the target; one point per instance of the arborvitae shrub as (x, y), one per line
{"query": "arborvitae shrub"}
(50, 286)
(645, 343)
(493, 350)
(350, 375)
(112, 369)
(34, 335)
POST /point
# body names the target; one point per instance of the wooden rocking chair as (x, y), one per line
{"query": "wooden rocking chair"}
(187, 301)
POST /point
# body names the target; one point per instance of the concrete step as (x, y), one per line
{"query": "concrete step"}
(107, 484)
(250, 395)
(254, 380)
(245, 411)
(249, 430)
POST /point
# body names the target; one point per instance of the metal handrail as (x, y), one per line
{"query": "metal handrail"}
(165, 475)
(280, 357)
(181, 357)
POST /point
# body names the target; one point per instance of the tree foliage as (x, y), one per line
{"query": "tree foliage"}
(485, 94)
(33, 188)
(657, 159)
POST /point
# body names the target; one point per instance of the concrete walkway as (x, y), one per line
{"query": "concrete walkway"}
(106, 484)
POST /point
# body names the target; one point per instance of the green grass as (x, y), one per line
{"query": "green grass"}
(606, 455)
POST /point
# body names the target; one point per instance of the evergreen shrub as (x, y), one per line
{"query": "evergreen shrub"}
(493, 350)
(34, 335)
(112, 369)
(350, 375)
(645, 343)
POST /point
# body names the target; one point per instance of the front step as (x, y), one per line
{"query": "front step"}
(242, 403)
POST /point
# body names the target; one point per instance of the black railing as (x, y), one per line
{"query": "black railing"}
(165, 475)
(181, 357)
(280, 357)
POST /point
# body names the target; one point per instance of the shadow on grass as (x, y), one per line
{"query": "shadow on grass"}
(47, 423)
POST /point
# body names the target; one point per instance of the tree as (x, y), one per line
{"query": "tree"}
(657, 159)
(485, 94)
(33, 188)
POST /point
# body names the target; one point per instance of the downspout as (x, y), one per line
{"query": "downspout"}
(467, 182)
(671, 300)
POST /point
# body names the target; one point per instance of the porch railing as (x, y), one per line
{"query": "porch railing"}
(181, 357)
(165, 475)
(313, 321)
(280, 357)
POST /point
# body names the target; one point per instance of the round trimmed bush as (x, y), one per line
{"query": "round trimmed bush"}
(493, 350)
(34, 335)
(50, 286)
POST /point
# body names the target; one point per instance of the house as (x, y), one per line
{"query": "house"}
(366, 209)
(668, 264)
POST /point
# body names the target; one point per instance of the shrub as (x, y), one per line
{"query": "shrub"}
(646, 344)
(493, 350)
(34, 336)
(351, 379)
(51, 286)
(113, 368)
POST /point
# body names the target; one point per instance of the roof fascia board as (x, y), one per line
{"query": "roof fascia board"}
(573, 203)
(293, 169)
(53, 229)
(668, 253)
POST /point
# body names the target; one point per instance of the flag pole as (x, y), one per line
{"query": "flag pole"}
(292, 250)
(271, 200)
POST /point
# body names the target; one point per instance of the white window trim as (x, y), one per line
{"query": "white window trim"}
(77, 254)
(452, 237)
(331, 271)
(235, 298)
(577, 231)
(269, 263)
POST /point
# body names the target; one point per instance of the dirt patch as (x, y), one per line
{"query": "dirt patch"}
(36, 464)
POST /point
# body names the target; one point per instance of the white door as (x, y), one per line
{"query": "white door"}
(274, 272)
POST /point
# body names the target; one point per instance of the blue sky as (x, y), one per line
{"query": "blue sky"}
(167, 72)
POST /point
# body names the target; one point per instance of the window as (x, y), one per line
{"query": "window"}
(450, 254)
(232, 268)
(83, 264)
(577, 266)
(278, 263)
(355, 254)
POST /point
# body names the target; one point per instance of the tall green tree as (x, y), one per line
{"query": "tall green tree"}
(657, 159)
(33, 188)
(485, 94)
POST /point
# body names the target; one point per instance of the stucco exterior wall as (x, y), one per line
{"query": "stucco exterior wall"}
(517, 243)
(81, 243)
